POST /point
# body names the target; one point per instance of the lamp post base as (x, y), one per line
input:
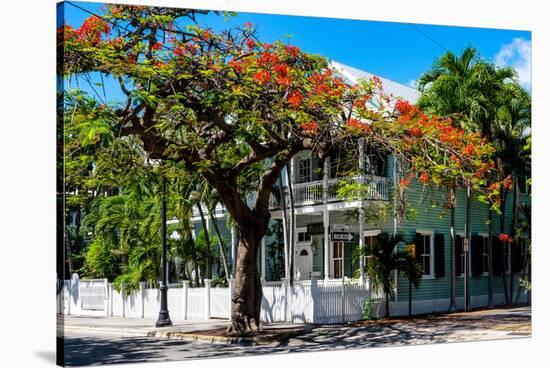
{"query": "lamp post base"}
(164, 319)
(164, 315)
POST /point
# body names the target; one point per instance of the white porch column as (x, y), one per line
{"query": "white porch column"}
(326, 240)
(326, 222)
(361, 209)
(262, 258)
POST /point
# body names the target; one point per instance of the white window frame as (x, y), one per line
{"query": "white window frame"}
(299, 160)
(485, 236)
(431, 234)
(369, 233)
(461, 234)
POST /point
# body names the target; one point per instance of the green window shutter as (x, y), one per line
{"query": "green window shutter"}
(477, 255)
(417, 245)
(439, 255)
(498, 255)
(458, 253)
(516, 257)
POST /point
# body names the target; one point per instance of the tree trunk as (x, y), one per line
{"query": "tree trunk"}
(207, 240)
(247, 296)
(222, 245)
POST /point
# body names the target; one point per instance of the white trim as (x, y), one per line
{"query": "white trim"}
(431, 234)
(461, 234)
(485, 236)
(371, 232)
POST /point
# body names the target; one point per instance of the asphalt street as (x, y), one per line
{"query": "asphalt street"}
(97, 347)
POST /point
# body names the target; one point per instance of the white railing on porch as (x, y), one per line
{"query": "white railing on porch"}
(313, 301)
(312, 192)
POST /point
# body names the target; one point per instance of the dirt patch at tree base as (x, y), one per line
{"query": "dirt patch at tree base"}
(219, 335)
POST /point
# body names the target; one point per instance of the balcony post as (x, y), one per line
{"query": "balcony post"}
(361, 208)
(326, 239)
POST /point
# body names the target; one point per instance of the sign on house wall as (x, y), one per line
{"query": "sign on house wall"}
(341, 236)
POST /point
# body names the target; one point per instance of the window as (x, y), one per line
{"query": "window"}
(304, 170)
(371, 239)
(302, 235)
(337, 253)
(424, 252)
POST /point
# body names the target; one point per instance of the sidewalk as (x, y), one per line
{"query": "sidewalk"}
(140, 327)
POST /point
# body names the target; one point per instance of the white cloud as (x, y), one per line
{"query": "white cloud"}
(517, 54)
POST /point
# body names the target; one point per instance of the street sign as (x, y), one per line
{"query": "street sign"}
(340, 236)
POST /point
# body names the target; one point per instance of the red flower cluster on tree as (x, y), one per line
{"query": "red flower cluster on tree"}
(311, 126)
(403, 107)
(507, 183)
(178, 51)
(292, 51)
(406, 181)
(157, 46)
(505, 238)
(424, 178)
(262, 76)
(359, 126)
(468, 149)
(91, 29)
(295, 99)
(415, 132)
(250, 43)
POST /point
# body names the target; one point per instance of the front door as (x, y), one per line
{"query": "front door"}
(304, 262)
(337, 258)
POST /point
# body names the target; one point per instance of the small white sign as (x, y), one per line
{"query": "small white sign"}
(466, 244)
(347, 237)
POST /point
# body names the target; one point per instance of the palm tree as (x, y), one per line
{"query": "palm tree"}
(467, 89)
(512, 132)
(383, 259)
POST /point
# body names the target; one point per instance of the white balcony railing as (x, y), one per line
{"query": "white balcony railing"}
(312, 192)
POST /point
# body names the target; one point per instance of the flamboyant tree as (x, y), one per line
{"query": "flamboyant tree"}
(224, 105)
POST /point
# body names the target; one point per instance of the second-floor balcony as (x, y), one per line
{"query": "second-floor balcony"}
(314, 192)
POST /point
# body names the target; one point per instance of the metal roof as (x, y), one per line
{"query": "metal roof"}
(353, 75)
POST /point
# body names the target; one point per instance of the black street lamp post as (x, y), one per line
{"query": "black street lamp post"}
(164, 316)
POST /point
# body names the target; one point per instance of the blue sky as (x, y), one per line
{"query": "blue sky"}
(397, 51)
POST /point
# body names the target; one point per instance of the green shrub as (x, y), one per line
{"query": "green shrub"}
(368, 309)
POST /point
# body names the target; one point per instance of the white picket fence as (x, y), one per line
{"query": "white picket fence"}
(304, 302)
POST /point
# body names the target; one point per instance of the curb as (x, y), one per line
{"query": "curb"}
(103, 330)
(257, 340)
